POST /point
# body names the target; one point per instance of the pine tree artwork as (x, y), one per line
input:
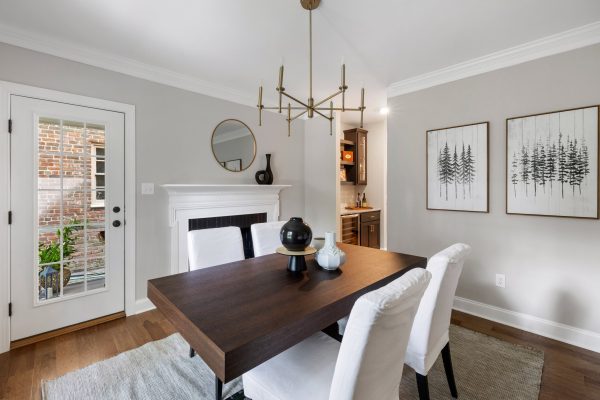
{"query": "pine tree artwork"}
(457, 168)
(552, 164)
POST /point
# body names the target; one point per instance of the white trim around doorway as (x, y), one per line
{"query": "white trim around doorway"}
(9, 88)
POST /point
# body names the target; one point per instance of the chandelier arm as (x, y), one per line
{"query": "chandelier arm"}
(277, 108)
(320, 113)
(295, 99)
(338, 109)
(328, 98)
(300, 114)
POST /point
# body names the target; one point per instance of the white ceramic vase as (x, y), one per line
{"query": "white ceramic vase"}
(330, 256)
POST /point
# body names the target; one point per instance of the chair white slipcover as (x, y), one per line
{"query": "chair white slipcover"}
(366, 365)
(265, 237)
(210, 247)
(429, 333)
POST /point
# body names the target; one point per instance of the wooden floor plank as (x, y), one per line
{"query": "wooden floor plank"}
(569, 372)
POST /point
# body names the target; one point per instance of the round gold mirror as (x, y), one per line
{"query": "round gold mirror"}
(233, 145)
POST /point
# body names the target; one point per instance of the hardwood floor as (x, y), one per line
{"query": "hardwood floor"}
(22, 369)
(569, 372)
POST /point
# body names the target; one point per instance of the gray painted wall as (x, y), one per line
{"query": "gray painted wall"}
(321, 168)
(173, 132)
(552, 265)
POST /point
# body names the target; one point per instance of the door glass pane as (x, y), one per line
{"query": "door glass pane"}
(74, 138)
(96, 277)
(74, 277)
(49, 171)
(70, 204)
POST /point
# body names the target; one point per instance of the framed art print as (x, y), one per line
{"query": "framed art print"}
(552, 164)
(457, 168)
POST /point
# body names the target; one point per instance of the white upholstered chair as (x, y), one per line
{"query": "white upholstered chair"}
(210, 247)
(265, 237)
(215, 246)
(366, 365)
(429, 335)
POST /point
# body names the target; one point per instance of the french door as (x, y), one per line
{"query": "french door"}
(67, 197)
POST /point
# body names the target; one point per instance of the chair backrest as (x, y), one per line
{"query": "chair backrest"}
(433, 318)
(210, 247)
(265, 237)
(371, 357)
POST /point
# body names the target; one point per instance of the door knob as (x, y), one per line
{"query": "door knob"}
(116, 209)
(116, 223)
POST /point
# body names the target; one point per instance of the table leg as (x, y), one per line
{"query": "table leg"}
(218, 388)
(333, 331)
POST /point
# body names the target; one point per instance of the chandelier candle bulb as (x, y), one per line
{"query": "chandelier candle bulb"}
(343, 87)
(331, 118)
(362, 105)
(289, 119)
(280, 86)
(260, 106)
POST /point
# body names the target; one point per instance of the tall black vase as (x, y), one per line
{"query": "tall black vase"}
(265, 177)
(268, 170)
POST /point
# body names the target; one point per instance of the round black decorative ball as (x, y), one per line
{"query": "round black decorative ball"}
(295, 235)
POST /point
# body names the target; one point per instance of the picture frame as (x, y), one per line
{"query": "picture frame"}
(552, 165)
(457, 168)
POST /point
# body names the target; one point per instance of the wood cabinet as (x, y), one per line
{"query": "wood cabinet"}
(370, 229)
(355, 140)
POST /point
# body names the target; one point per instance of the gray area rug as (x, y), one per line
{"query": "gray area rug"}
(484, 368)
(160, 370)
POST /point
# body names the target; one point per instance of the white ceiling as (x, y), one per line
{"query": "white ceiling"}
(236, 43)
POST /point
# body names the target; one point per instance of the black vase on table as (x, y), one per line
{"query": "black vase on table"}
(295, 235)
(265, 177)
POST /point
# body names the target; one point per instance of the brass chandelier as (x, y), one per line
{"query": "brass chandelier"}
(311, 107)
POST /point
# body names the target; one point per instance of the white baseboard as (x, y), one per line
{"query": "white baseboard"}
(143, 305)
(554, 330)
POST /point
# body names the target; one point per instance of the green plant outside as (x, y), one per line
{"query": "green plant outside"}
(50, 252)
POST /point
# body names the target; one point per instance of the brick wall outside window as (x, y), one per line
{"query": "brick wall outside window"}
(77, 159)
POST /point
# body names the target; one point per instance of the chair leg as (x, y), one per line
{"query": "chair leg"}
(192, 352)
(449, 372)
(218, 388)
(423, 387)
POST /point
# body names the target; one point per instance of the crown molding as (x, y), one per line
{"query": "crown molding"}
(559, 43)
(124, 65)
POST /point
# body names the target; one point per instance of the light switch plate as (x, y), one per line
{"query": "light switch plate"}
(147, 188)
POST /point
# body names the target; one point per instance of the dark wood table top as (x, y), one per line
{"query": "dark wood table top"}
(238, 315)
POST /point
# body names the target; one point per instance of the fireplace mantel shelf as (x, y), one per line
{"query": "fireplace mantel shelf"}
(174, 188)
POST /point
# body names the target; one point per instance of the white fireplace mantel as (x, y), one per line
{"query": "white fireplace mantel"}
(190, 201)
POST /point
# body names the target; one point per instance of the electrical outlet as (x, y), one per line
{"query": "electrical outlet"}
(501, 280)
(147, 188)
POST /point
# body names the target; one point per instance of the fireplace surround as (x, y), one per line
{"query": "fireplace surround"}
(198, 206)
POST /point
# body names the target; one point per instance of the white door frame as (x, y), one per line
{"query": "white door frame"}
(9, 88)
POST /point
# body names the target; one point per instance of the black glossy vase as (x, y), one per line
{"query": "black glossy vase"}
(265, 177)
(295, 235)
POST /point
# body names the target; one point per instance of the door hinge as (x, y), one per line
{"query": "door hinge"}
(10, 309)
(10, 126)
(10, 217)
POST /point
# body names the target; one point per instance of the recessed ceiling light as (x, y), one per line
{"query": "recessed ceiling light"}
(384, 110)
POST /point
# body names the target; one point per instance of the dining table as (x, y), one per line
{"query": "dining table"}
(239, 315)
